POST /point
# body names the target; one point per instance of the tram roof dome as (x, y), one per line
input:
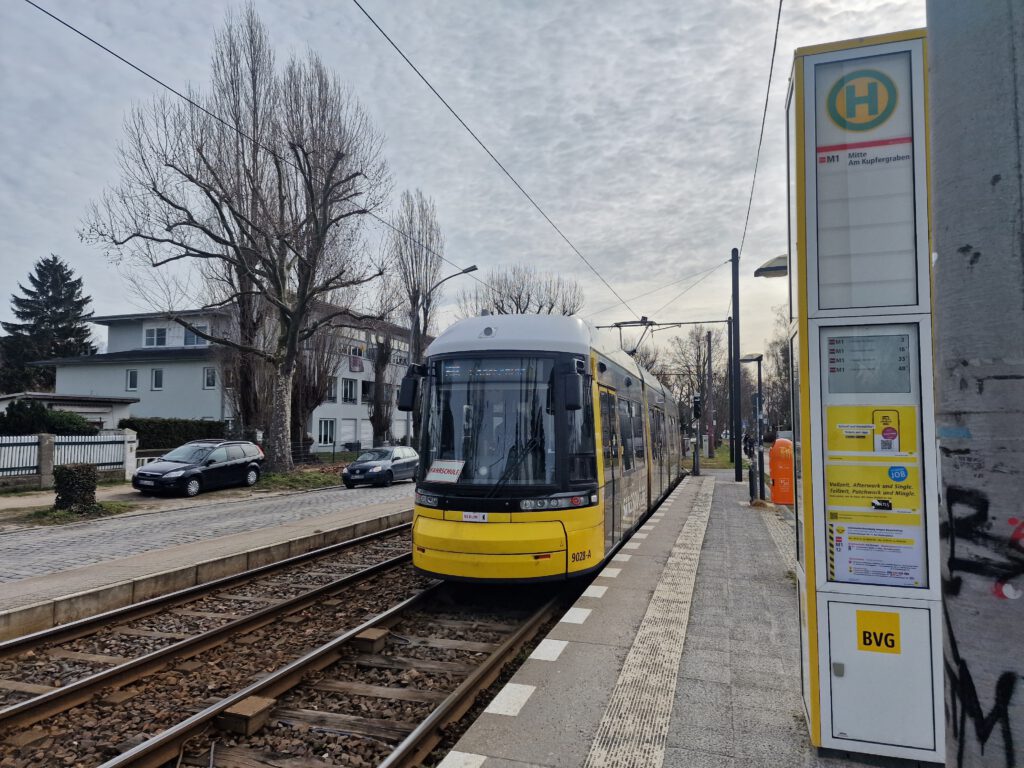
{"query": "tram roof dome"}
(544, 333)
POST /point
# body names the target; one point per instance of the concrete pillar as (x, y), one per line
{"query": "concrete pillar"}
(131, 445)
(46, 461)
(976, 66)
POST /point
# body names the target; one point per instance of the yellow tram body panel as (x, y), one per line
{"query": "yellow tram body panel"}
(517, 546)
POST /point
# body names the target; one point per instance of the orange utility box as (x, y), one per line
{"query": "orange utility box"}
(780, 463)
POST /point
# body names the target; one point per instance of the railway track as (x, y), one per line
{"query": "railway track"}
(96, 663)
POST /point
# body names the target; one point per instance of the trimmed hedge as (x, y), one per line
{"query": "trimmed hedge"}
(76, 487)
(31, 417)
(155, 433)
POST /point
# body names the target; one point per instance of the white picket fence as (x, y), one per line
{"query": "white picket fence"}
(19, 455)
(106, 450)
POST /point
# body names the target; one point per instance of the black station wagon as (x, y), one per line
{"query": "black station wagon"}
(201, 465)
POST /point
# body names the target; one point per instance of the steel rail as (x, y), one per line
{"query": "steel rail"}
(418, 744)
(84, 626)
(167, 745)
(61, 699)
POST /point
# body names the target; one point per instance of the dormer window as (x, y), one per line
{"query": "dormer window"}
(192, 340)
(156, 337)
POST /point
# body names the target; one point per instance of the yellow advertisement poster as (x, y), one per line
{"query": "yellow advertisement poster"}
(877, 430)
(884, 487)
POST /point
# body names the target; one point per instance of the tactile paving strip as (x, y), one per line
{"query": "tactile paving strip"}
(783, 535)
(634, 728)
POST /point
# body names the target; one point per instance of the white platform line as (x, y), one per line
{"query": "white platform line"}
(639, 536)
(621, 558)
(548, 649)
(575, 616)
(593, 591)
(510, 699)
(611, 573)
(631, 545)
(462, 760)
(634, 729)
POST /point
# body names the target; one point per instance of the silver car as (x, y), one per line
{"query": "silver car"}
(381, 466)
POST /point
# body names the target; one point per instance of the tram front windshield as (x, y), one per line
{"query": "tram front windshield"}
(496, 415)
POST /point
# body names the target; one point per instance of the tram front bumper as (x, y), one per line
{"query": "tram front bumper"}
(489, 551)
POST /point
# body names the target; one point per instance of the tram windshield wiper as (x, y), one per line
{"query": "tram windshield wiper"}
(531, 445)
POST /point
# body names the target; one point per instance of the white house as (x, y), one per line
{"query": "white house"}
(171, 372)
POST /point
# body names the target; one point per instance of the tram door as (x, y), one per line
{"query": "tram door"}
(612, 471)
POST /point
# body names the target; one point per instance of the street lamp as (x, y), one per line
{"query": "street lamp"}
(759, 407)
(413, 332)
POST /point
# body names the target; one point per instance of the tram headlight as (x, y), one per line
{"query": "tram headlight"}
(558, 502)
(426, 500)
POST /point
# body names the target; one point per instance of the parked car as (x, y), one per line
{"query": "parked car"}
(201, 465)
(381, 466)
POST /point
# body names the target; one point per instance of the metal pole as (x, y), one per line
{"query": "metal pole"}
(760, 432)
(735, 364)
(697, 449)
(709, 411)
(732, 433)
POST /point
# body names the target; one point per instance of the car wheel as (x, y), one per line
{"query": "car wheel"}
(350, 486)
(389, 478)
(252, 477)
(193, 487)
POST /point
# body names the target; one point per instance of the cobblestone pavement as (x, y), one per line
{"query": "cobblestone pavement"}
(39, 551)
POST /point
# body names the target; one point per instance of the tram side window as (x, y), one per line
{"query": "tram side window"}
(626, 435)
(639, 450)
(582, 452)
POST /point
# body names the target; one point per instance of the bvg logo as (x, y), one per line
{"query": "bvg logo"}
(862, 100)
(878, 631)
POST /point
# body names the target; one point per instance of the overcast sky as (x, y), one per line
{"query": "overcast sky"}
(634, 124)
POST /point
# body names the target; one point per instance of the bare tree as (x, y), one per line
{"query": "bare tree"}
(648, 355)
(381, 407)
(776, 374)
(522, 290)
(270, 196)
(688, 358)
(318, 363)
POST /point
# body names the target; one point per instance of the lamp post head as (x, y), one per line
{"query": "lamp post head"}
(470, 268)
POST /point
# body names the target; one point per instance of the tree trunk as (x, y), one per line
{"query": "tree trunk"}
(279, 453)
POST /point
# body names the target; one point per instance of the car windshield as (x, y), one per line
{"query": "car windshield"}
(491, 421)
(188, 454)
(374, 455)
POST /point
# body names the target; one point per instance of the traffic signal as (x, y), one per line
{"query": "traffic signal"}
(696, 406)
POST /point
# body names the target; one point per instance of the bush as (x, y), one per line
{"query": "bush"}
(30, 417)
(76, 487)
(157, 433)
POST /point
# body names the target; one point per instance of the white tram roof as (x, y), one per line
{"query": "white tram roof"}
(544, 333)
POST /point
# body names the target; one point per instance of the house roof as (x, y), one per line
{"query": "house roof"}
(149, 354)
(127, 318)
(53, 396)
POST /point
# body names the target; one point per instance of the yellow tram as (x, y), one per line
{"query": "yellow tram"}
(538, 453)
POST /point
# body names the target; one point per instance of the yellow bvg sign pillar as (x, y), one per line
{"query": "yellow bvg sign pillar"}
(860, 330)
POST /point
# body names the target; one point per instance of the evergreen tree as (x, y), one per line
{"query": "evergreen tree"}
(53, 313)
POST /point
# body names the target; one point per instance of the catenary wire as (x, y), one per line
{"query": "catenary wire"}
(764, 116)
(493, 157)
(687, 288)
(238, 130)
(656, 290)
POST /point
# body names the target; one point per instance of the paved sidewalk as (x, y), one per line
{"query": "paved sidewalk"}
(38, 551)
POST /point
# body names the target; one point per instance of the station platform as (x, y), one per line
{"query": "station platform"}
(683, 652)
(62, 595)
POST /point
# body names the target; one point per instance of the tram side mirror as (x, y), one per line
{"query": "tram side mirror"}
(410, 386)
(573, 391)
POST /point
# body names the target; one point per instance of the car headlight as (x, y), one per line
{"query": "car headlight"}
(376, 469)
(174, 474)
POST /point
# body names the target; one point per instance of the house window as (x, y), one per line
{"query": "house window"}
(191, 340)
(367, 391)
(356, 350)
(332, 389)
(131, 379)
(156, 337)
(209, 378)
(326, 436)
(348, 392)
(156, 379)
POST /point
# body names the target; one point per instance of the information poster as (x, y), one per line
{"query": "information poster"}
(874, 502)
(864, 161)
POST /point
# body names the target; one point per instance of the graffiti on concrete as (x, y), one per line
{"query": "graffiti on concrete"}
(981, 546)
